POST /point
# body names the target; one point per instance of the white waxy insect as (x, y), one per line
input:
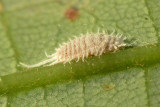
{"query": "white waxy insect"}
(83, 47)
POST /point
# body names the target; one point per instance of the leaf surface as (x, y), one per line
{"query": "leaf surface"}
(28, 28)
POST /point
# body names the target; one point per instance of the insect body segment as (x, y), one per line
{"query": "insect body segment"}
(83, 47)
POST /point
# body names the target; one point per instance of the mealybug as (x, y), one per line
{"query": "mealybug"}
(83, 47)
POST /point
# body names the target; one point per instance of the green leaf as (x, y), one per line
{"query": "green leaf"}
(129, 77)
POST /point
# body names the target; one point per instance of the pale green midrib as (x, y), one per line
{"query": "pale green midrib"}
(41, 76)
(152, 19)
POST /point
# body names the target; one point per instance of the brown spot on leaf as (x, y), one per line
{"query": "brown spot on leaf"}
(72, 14)
(108, 86)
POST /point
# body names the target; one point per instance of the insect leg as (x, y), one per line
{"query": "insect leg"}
(47, 55)
(53, 63)
(39, 64)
